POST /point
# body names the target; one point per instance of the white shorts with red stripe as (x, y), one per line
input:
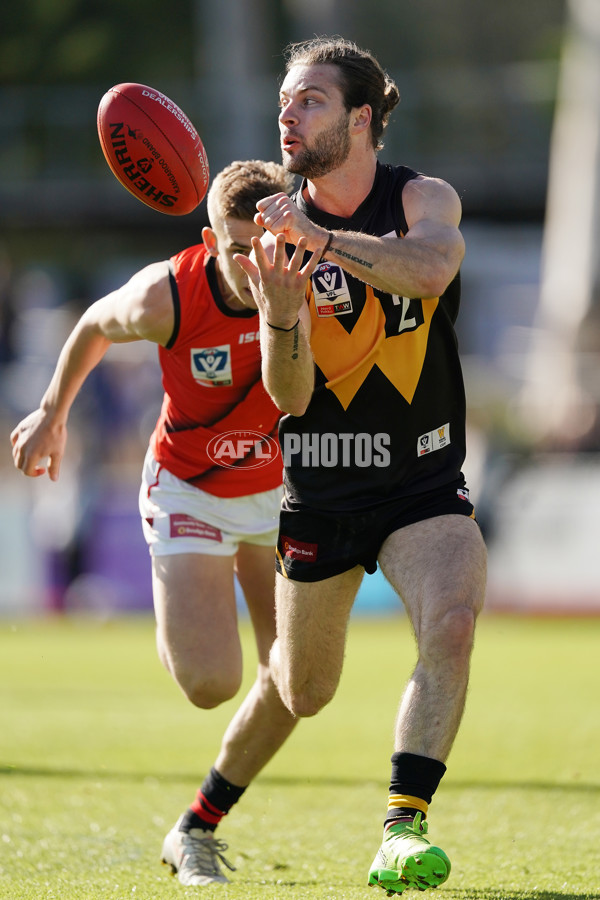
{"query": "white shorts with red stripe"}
(180, 518)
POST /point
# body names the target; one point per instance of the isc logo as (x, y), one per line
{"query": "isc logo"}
(249, 337)
(252, 449)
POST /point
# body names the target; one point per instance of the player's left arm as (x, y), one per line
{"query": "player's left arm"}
(421, 265)
(278, 285)
(425, 261)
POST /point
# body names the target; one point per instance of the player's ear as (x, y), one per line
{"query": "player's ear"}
(209, 239)
(362, 116)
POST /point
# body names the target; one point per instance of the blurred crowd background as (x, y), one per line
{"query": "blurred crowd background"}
(501, 100)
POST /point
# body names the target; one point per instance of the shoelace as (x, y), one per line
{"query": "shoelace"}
(420, 826)
(417, 826)
(202, 853)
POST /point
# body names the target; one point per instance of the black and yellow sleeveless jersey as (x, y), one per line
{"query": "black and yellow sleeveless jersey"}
(387, 416)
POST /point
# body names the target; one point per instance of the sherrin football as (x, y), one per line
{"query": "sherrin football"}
(153, 148)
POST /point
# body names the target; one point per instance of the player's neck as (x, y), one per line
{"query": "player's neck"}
(342, 191)
(227, 295)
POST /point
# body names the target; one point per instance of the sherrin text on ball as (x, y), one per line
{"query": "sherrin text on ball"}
(153, 148)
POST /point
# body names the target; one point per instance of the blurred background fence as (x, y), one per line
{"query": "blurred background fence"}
(503, 102)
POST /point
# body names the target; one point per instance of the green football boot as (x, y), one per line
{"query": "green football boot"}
(406, 859)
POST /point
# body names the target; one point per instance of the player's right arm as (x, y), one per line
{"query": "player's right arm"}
(142, 309)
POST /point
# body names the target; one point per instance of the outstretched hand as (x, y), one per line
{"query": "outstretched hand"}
(278, 284)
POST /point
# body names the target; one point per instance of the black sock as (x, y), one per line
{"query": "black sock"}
(213, 801)
(413, 776)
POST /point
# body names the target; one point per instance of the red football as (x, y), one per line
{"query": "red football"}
(153, 148)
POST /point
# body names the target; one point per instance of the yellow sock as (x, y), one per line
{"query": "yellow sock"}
(398, 801)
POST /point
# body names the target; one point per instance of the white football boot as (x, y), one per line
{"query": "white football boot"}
(194, 856)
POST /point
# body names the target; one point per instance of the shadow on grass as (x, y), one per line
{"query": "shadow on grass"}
(498, 894)
(319, 780)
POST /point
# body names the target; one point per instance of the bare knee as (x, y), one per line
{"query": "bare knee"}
(303, 700)
(207, 691)
(460, 625)
(451, 637)
(204, 689)
(303, 703)
(307, 703)
(206, 682)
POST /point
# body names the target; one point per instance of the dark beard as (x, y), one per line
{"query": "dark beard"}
(331, 148)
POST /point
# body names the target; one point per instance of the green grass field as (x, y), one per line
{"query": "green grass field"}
(99, 753)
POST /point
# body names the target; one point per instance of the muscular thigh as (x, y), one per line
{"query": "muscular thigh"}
(255, 568)
(196, 617)
(436, 565)
(312, 620)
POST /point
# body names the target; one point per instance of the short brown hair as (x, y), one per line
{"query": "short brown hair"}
(236, 190)
(362, 79)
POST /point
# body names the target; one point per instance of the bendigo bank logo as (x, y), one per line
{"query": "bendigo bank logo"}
(294, 549)
(246, 449)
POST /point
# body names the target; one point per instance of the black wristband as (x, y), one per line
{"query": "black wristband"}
(278, 328)
(328, 244)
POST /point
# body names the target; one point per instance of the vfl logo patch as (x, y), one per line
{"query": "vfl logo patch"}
(211, 366)
(434, 440)
(330, 290)
(182, 525)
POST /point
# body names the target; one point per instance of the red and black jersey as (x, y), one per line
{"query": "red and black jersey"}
(387, 417)
(217, 428)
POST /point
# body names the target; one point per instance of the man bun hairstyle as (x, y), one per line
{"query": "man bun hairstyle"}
(362, 79)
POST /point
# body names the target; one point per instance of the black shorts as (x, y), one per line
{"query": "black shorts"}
(315, 544)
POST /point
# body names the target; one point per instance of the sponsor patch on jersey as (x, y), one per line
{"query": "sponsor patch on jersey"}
(434, 440)
(211, 366)
(182, 525)
(299, 549)
(330, 289)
